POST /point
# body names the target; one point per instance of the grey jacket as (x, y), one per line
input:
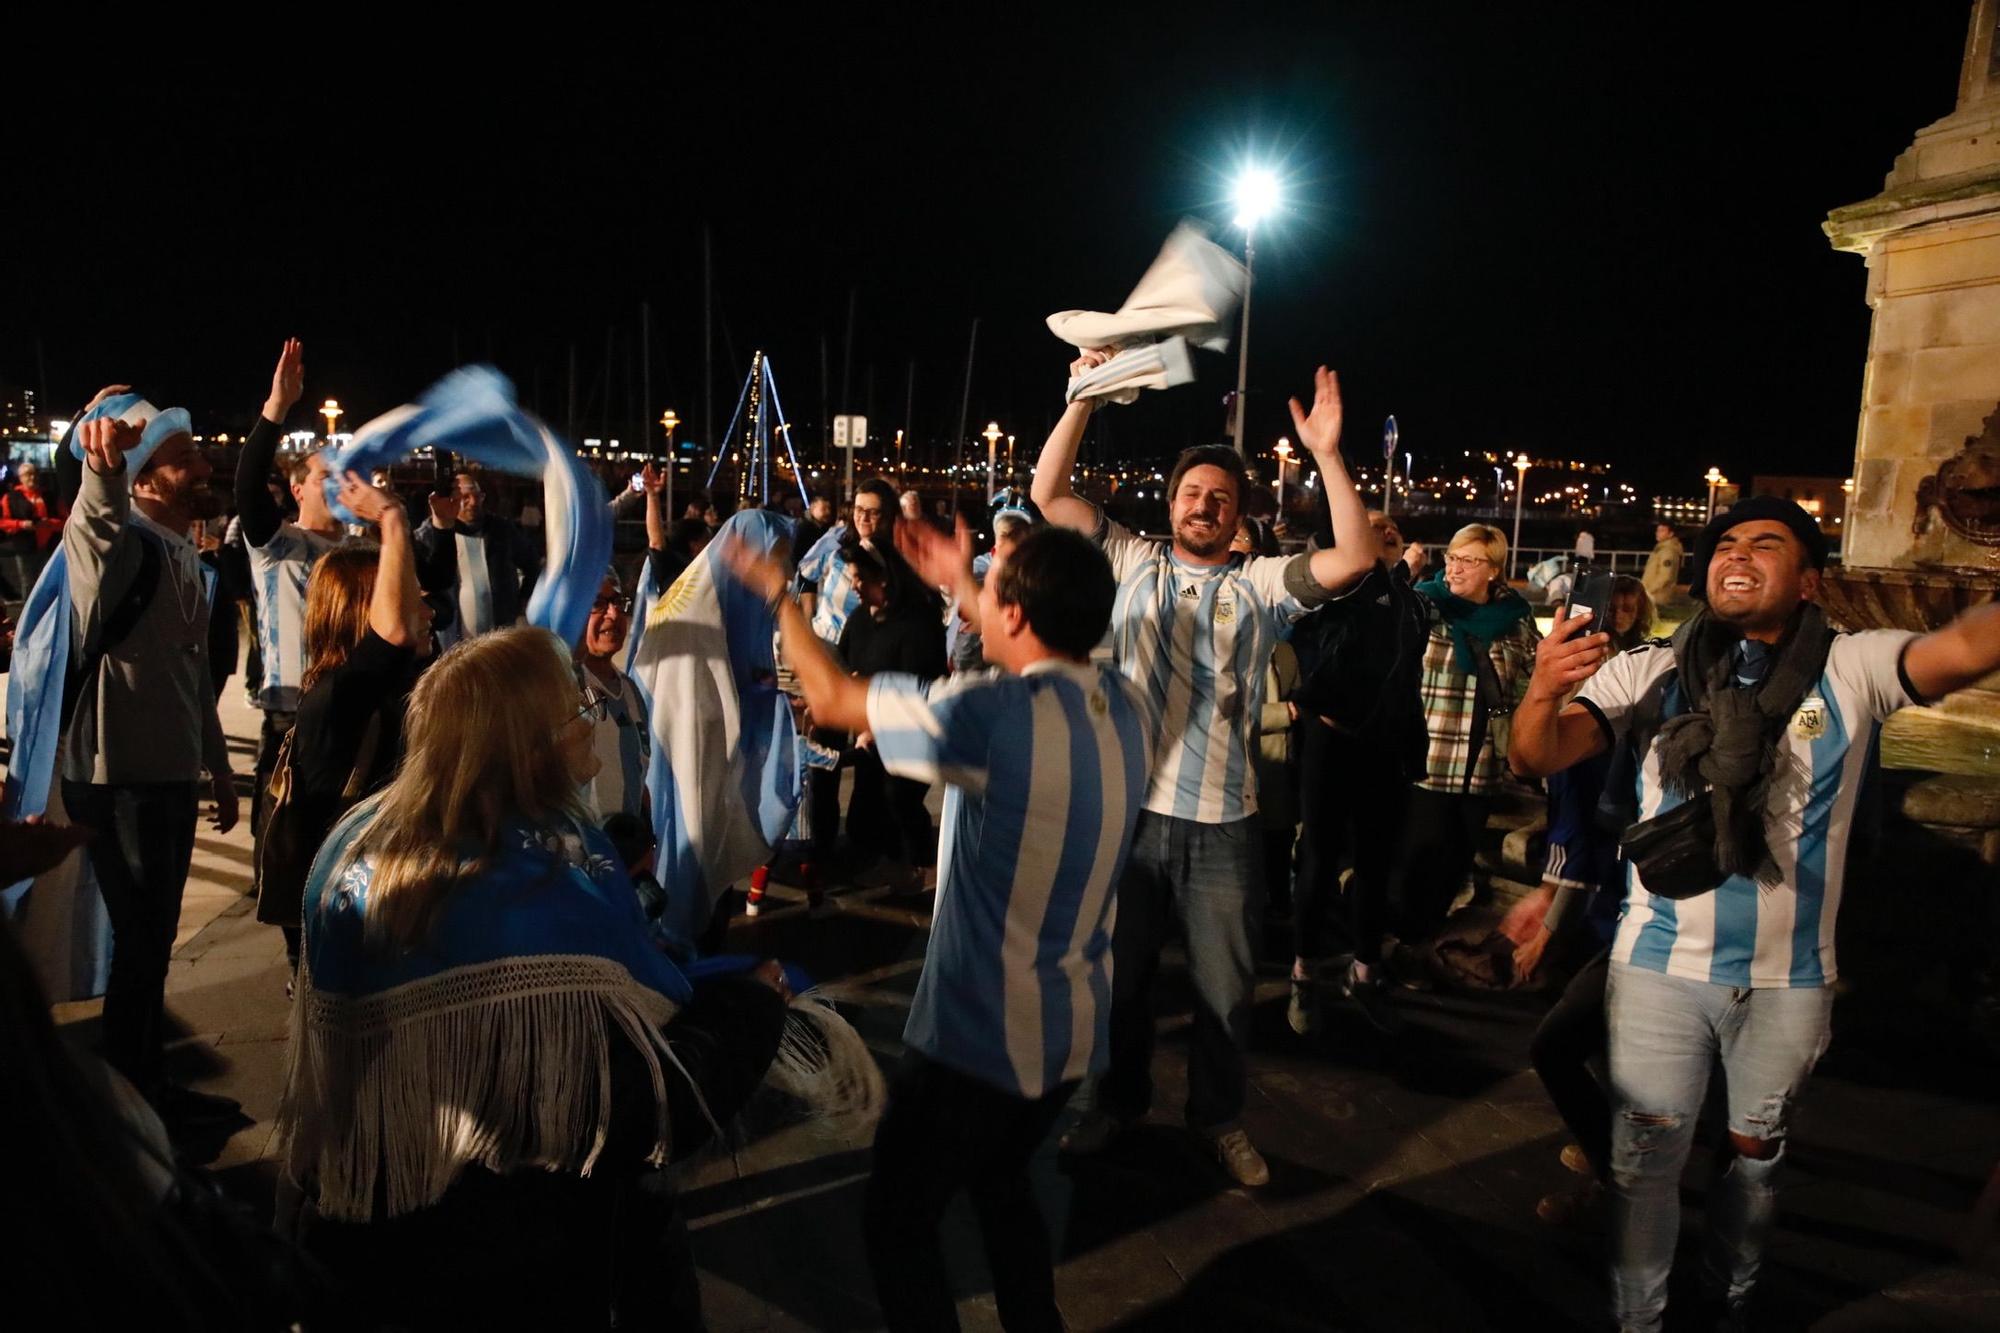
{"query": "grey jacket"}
(149, 714)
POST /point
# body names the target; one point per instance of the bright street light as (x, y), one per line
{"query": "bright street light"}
(331, 410)
(1520, 494)
(1715, 479)
(1257, 196)
(992, 435)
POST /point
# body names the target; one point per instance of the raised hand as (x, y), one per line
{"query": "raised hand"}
(288, 381)
(1568, 656)
(1319, 431)
(938, 560)
(653, 479)
(1091, 359)
(105, 442)
(764, 575)
(105, 393)
(364, 501)
(444, 511)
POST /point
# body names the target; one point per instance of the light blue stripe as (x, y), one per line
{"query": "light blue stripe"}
(1829, 757)
(1195, 739)
(1083, 826)
(1735, 950)
(1253, 655)
(1655, 944)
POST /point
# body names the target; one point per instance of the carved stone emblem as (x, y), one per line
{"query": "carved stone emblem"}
(1965, 492)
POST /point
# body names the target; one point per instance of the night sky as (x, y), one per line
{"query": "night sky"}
(1580, 234)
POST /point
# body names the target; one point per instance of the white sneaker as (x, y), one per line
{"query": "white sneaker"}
(1245, 1165)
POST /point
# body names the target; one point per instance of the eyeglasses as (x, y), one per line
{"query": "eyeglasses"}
(624, 604)
(594, 707)
(1466, 561)
(872, 511)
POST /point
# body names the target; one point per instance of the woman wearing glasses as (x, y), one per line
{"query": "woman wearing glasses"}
(1476, 667)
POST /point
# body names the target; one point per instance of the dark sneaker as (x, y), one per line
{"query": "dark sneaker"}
(1245, 1165)
(1371, 997)
(1573, 1208)
(1091, 1134)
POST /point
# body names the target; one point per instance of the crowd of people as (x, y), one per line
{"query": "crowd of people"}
(495, 1046)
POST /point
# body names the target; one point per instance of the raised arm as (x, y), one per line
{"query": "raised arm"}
(1051, 487)
(1962, 653)
(1548, 737)
(261, 514)
(837, 700)
(394, 609)
(654, 479)
(1356, 548)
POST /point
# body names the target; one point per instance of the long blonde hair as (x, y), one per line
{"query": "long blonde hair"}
(337, 601)
(480, 751)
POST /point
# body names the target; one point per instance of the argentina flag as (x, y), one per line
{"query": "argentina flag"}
(472, 412)
(725, 766)
(59, 916)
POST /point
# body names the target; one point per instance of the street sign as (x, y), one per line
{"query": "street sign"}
(849, 433)
(1389, 437)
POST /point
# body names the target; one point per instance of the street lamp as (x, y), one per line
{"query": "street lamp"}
(331, 411)
(899, 456)
(1257, 197)
(1010, 460)
(1499, 488)
(1715, 481)
(1520, 493)
(1284, 453)
(991, 435)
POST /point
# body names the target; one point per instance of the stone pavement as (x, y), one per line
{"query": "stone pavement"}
(1404, 1176)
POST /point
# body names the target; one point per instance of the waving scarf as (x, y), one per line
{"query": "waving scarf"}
(1473, 626)
(472, 412)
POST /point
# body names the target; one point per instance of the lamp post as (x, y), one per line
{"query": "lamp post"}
(1257, 197)
(899, 458)
(1010, 461)
(668, 420)
(991, 435)
(1520, 494)
(331, 410)
(1284, 453)
(1390, 434)
(1715, 479)
(1499, 488)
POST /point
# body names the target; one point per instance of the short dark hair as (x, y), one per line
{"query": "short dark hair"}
(1209, 455)
(1063, 585)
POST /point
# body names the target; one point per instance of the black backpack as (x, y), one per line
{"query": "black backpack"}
(1361, 661)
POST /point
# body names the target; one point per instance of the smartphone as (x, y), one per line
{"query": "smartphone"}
(639, 480)
(1591, 587)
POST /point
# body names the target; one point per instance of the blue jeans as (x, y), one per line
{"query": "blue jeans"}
(1666, 1035)
(1205, 878)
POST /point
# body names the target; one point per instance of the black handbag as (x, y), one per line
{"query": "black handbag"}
(1675, 852)
(286, 850)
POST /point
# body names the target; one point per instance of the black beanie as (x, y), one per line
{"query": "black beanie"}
(1757, 508)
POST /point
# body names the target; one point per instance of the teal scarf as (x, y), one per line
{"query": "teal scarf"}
(1474, 625)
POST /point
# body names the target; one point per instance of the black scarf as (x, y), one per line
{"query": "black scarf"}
(1726, 744)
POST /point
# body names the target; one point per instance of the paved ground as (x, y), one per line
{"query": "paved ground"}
(1404, 1177)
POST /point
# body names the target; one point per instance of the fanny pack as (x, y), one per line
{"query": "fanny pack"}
(1675, 852)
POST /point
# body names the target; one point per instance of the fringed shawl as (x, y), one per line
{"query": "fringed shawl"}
(489, 1045)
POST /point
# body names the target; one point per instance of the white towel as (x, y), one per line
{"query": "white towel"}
(1190, 294)
(1159, 365)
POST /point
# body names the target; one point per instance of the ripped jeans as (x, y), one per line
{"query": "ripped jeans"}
(1667, 1034)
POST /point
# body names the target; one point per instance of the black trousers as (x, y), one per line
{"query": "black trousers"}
(945, 1132)
(141, 854)
(1571, 1034)
(1349, 810)
(1440, 838)
(544, 1250)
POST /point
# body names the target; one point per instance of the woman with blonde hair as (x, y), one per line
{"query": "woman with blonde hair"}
(488, 1048)
(1475, 669)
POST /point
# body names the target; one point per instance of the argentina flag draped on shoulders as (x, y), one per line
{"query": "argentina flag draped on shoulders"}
(60, 916)
(725, 769)
(471, 412)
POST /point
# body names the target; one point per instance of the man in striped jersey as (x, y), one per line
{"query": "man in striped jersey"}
(481, 563)
(1046, 761)
(1194, 626)
(282, 554)
(825, 584)
(1734, 963)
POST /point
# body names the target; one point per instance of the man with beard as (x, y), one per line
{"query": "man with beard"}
(281, 554)
(1741, 745)
(145, 725)
(1194, 626)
